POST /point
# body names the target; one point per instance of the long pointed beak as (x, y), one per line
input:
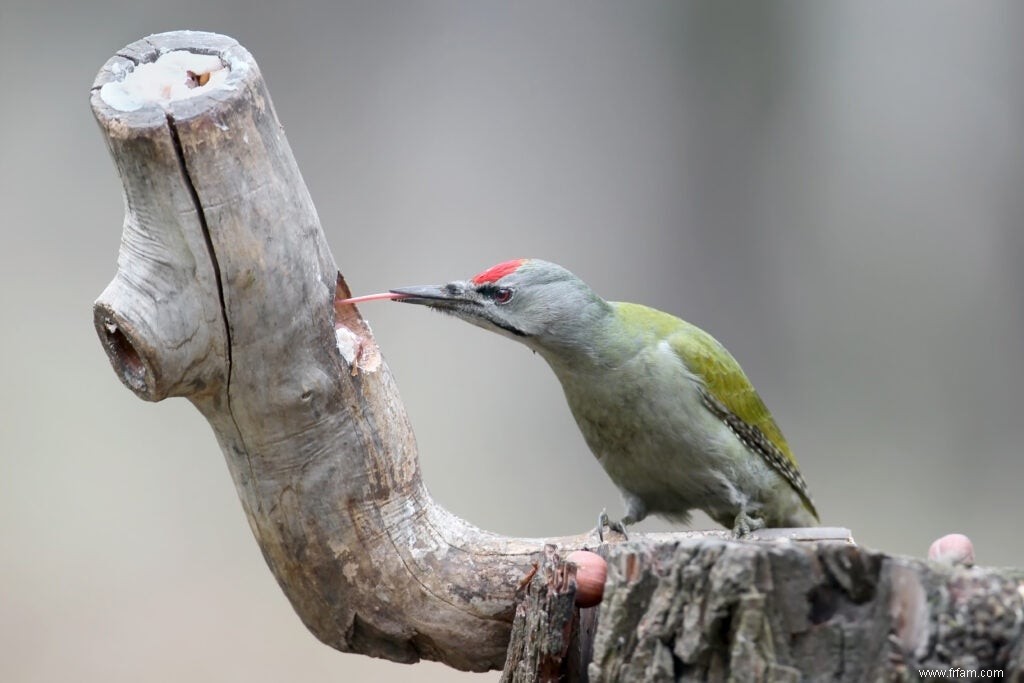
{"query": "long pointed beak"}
(432, 295)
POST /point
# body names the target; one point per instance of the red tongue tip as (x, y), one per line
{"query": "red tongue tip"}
(383, 296)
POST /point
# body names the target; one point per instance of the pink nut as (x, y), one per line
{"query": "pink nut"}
(952, 549)
(591, 572)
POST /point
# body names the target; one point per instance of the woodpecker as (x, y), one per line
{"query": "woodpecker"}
(665, 408)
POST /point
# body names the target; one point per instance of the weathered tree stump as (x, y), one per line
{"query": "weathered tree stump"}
(708, 609)
(226, 293)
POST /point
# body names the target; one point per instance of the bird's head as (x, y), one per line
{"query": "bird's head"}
(536, 302)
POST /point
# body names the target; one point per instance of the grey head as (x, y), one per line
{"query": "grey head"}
(538, 303)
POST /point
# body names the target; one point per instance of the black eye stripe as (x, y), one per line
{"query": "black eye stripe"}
(500, 295)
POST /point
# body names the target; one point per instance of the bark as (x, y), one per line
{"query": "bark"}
(707, 609)
(225, 294)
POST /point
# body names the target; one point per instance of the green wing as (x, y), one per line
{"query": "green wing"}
(727, 391)
(726, 382)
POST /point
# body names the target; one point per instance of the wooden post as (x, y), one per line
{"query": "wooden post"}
(708, 609)
(225, 294)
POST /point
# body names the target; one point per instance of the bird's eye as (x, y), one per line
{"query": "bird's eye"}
(503, 295)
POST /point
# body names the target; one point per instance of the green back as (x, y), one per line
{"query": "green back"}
(725, 383)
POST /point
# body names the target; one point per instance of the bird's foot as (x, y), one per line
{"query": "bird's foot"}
(603, 521)
(744, 524)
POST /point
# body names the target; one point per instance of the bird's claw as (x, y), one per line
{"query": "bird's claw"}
(745, 524)
(603, 521)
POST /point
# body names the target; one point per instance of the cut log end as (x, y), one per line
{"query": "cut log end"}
(173, 76)
(124, 353)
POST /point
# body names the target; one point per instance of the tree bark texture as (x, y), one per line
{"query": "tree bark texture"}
(708, 609)
(225, 294)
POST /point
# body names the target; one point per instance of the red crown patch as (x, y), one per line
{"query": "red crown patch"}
(495, 273)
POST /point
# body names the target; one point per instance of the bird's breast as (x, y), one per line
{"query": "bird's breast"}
(645, 423)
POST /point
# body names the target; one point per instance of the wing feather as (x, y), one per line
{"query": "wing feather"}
(729, 395)
(727, 392)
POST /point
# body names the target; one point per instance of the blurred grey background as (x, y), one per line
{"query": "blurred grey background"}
(834, 190)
